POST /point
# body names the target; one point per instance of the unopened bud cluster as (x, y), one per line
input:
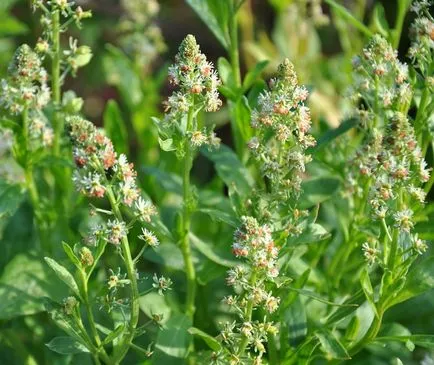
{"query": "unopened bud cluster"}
(380, 79)
(282, 123)
(197, 83)
(421, 51)
(25, 88)
(390, 161)
(253, 242)
(140, 37)
(100, 168)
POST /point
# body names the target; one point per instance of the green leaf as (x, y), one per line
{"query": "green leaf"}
(65, 322)
(379, 20)
(225, 72)
(70, 253)
(218, 215)
(426, 341)
(6, 4)
(331, 345)
(212, 343)
(293, 321)
(114, 334)
(66, 345)
(166, 254)
(312, 233)
(253, 74)
(24, 283)
(154, 303)
(345, 14)
(170, 182)
(419, 280)
(119, 72)
(230, 169)
(64, 275)
(214, 14)
(211, 252)
(11, 196)
(11, 26)
(365, 281)
(173, 338)
(332, 134)
(344, 311)
(166, 144)
(318, 190)
(314, 296)
(115, 127)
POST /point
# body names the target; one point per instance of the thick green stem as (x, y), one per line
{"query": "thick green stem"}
(132, 276)
(55, 80)
(396, 35)
(247, 318)
(89, 309)
(186, 223)
(420, 111)
(234, 53)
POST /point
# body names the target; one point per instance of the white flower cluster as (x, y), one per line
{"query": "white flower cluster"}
(282, 122)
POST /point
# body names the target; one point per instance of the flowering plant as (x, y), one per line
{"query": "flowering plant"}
(308, 242)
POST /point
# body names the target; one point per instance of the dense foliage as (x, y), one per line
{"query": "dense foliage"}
(299, 234)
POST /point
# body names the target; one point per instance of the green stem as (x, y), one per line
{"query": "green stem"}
(422, 106)
(89, 312)
(233, 52)
(186, 223)
(55, 80)
(396, 35)
(247, 318)
(132, 276)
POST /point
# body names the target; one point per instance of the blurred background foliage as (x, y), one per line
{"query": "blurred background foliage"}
(125, 84)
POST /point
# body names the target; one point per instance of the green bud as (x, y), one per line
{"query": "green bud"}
(69, 305)
(71, 103)
(86, 257)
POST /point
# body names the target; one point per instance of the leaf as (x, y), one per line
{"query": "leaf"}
(154, 303)
(218, 215)
(212, 343)
(120, 73)
(313, 233)
(114, 334)
(115, 127)
(213, 16)
(349, 18)
(225, 72)
(70, 253)
(11, 197)
(379, 20)
(9, 25)
(344, 311)
(314, 296)
(166, 254)
(24, 283)
(230, 169)
(64, 275)
(66, 345)
(332, 134)
(293, 323)
(170, 182)
(210, 252)
(173, 338)
(365, 281)
(331, 345)
(6, 4)
(253, 74)
(166, 144)
(419, 280)
(318, 190)
(426, 341)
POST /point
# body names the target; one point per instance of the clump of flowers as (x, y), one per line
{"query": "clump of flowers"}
(140, 36)
(422, 35)
(26, 90)
(197, 84)
(98, 166)
(380, 80)
(253, 282)
(282, 123)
